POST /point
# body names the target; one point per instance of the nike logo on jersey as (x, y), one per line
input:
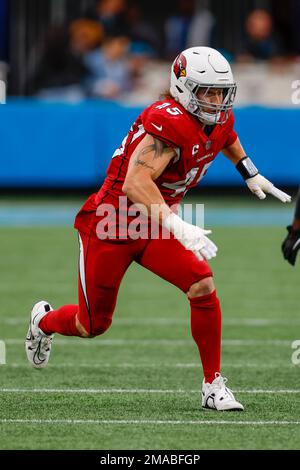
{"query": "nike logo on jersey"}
(159, 128)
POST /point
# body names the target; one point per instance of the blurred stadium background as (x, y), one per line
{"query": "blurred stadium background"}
(77, 74)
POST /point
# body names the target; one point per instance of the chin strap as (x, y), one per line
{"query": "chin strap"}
(209, 119)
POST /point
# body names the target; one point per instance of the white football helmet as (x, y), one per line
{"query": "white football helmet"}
(194, 73)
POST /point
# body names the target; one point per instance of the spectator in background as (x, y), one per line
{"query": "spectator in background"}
(201, 27)
(60, 71)
(144, 36)
(86, 35)
(140, 54)
(145, 44)
(108, 67)
(191, 26)
(112, 16)
(177, 27)
(260, 42)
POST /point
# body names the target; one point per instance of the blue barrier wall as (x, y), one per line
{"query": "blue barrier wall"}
(62, 145)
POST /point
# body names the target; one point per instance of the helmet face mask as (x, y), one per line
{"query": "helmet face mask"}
(207, 111)
(202, 82)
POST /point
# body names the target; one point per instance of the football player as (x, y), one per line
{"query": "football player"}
(291, 243)
(167, 151)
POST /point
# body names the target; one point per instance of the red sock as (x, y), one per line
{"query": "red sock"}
(61, 321)
(206, 331)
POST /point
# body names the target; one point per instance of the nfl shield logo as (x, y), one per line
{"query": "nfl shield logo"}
(208, 144)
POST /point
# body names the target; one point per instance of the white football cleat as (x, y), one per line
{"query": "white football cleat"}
(38, 344)
(216, 396)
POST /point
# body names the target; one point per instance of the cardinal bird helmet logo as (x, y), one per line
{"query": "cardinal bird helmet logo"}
(180, 66)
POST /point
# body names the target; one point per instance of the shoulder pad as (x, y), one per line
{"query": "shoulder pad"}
(167, 121)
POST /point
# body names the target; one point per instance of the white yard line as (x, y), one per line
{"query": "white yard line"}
(126, 365)
(154, 342)
(135, 390)
(148, 422)
(255, 322)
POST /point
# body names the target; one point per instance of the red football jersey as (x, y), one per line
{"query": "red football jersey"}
(168, 121)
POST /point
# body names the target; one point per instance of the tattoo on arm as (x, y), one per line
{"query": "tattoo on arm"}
(140, 162)
(157, 147)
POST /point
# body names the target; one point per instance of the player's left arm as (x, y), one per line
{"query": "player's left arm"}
(257, 184)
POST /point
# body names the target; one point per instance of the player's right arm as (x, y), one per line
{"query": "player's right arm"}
(147, 163)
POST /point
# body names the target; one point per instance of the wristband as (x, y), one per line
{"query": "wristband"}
(246, 168)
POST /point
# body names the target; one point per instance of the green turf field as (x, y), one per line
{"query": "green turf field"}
(137, 386)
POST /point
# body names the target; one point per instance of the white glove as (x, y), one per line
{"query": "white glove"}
(259, 185)
(191, 237)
